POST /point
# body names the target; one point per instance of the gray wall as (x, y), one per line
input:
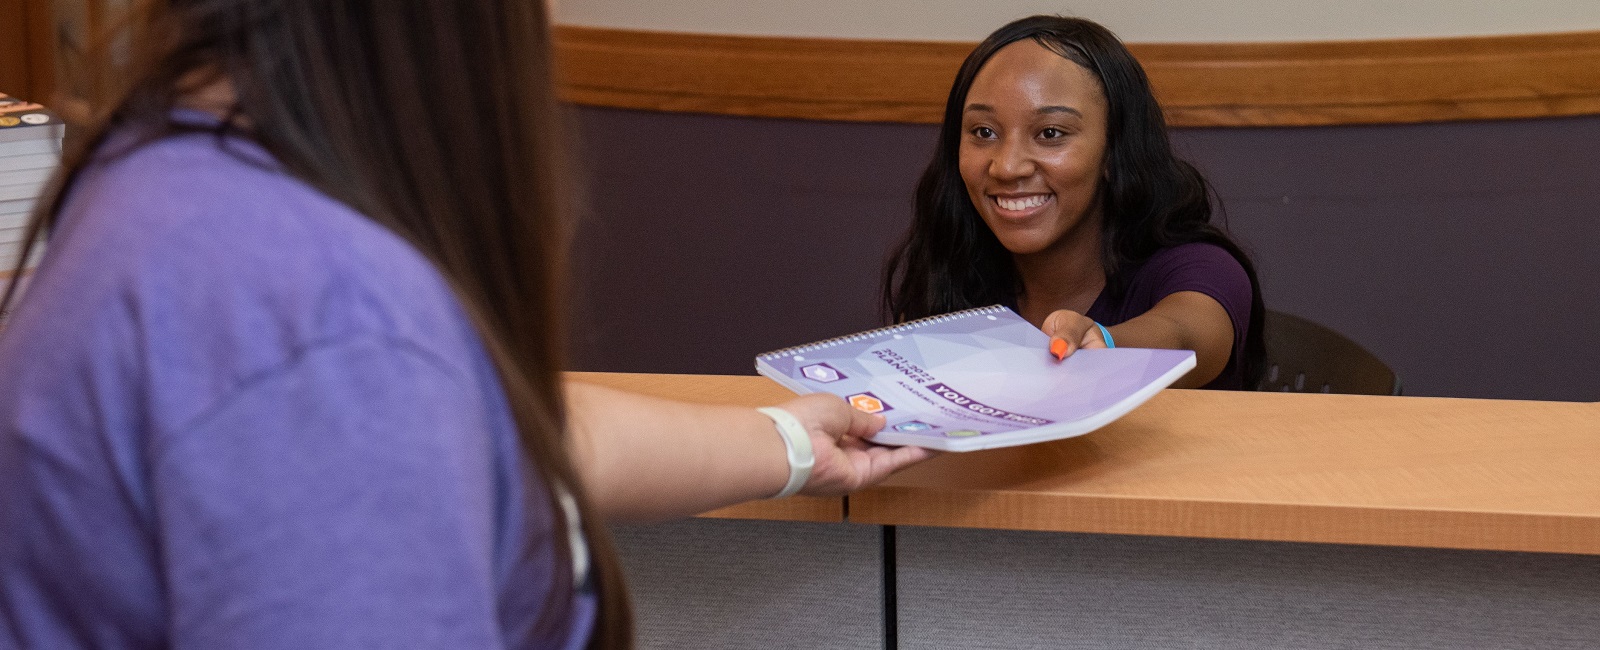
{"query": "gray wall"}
(709, 583)
(714, 584)
(1459, 253)
(977, 589)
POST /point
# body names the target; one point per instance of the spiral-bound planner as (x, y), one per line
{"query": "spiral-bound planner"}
(975, 379)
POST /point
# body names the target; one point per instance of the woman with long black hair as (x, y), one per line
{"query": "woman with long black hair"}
(1054, 190)
(289, 376)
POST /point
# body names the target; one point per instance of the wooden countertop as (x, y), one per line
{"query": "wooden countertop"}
(1403, 471)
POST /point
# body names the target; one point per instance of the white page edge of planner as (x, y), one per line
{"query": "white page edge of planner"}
(1048, 432)
(1045, 433)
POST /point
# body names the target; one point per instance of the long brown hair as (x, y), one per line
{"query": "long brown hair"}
(435, 119)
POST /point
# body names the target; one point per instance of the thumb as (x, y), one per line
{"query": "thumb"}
(863, 424)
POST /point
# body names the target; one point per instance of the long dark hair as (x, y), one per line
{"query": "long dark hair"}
(433, 118)
(1151, 200)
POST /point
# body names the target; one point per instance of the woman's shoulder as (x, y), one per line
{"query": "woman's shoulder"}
(1187, 264)
(1196, 266)
(227, 268)
(217, 219)
(203, 196)
(1192, 253)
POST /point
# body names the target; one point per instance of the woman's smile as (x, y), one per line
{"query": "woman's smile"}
(1020, 206)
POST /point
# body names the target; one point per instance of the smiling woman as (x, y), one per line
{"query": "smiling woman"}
(1054, 190)
(1033, 138)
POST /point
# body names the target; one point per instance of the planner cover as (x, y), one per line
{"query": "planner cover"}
(975, 379)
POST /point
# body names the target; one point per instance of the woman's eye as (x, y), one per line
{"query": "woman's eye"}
(1051, 133)
(983, 132)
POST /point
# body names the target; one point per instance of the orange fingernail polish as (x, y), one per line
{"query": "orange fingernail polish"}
(1058, 347)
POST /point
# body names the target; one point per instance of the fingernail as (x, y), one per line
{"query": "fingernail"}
(1058, 347)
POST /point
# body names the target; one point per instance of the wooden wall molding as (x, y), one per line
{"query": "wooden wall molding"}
(26, 61)
(1231, 84)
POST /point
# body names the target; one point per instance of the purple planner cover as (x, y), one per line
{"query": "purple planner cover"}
(975, 379)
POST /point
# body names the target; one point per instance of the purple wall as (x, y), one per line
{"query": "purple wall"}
(1460, 253)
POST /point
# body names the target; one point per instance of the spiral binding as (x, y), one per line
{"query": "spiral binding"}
(892, 329)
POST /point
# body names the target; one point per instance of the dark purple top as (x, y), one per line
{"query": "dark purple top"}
(235, 413)
(1205, 268)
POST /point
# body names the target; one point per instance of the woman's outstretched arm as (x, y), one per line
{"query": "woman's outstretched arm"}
(645, 458)
(1186, 320)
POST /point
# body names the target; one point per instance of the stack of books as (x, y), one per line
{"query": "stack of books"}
(30, 151)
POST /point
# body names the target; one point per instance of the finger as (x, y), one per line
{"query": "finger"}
(883, 461)
(1093, 339)
(904, 456)
(863, 424)
(1055, 323)
(1067, 329)
(854, 444)
(853, 464)
(1059, 347)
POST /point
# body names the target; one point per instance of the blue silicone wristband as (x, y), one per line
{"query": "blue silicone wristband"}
(1106, 334)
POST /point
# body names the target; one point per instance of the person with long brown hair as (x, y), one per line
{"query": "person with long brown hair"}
(289, 375)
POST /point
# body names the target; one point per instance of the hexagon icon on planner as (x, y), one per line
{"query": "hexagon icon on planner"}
(912, 426)
(822, 373)
(868, 403)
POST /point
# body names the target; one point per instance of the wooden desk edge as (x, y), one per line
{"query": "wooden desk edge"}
(1448, 529)
(799, 508)
(1054, 511)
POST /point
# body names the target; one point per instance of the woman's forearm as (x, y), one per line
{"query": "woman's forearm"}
(643, 458)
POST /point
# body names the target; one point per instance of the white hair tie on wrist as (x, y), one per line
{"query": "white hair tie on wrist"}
(798, 443)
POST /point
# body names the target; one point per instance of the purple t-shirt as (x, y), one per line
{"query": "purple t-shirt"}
(1205, 268)
(235, 413)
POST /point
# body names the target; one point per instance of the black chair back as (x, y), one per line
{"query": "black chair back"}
(1305, 357)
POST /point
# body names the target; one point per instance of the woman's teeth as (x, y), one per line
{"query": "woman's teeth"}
(1022, 203)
